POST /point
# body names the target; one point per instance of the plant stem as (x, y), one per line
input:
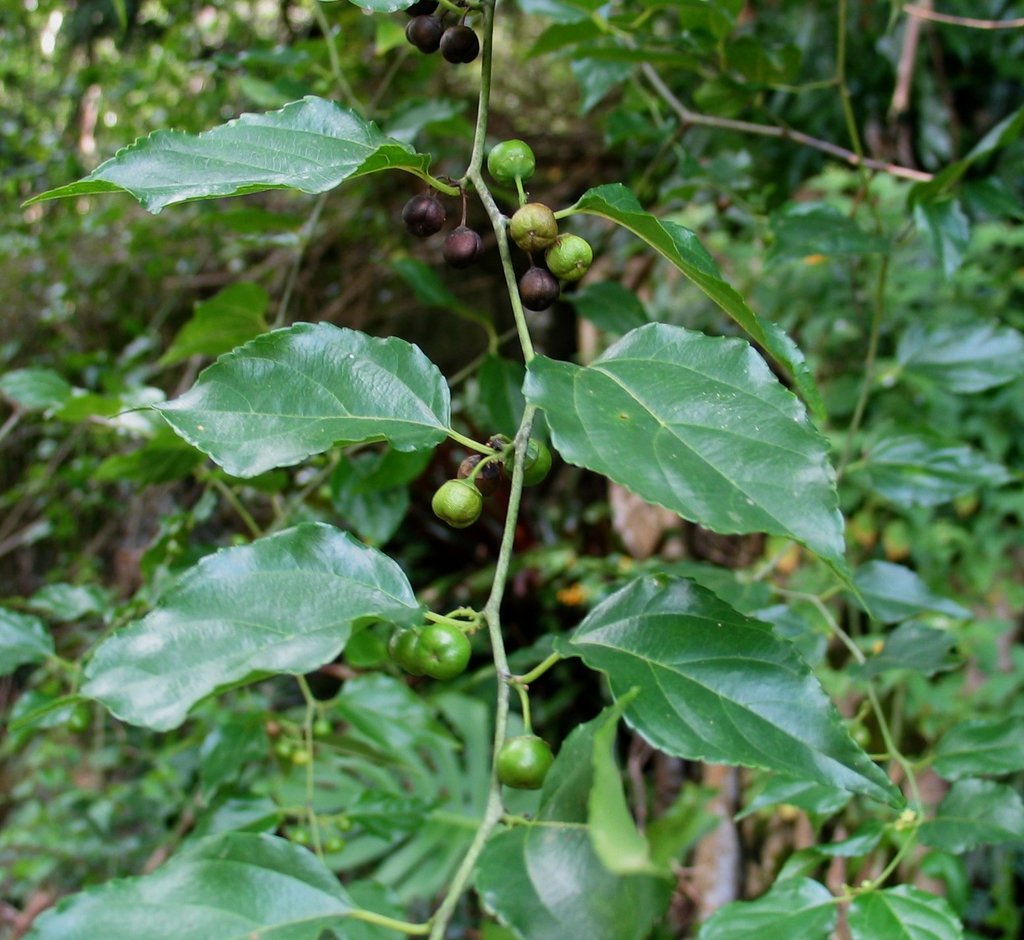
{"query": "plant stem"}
(293, 274)
(537, 671)
(307, 742)
(332, 52)
(370, 917)
(468, 442)
(221, 487)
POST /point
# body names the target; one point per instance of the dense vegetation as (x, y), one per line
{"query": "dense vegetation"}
(538, 469)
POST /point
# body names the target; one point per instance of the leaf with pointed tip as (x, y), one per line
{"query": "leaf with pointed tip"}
(299, 391)
(903, 913)
(964, 359)
(720, 687)
(233, 886)
(23, 639)
(891, 593)
(700, 426)
(286, 603)
(311, 145)
(797, 907)
(681, 248)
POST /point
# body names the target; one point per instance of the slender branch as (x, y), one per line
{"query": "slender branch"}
(926, 14)
(380, 920)
(781, 133)
(307, 743)
(221, 487)
(534, 674)
(332, 51)
(11, 423)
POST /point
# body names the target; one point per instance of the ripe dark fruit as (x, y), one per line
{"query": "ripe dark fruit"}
(524, 761)
(538, 289)
(569, 257)
(458, 502)
(511, 159)
(459, 44)
(423, 215)
(533, 227)
(403, 649)
(421, 8)
(425, 33)
(462, 247)
(443, 651)
(487, 479)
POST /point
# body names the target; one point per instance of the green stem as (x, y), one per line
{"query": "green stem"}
(524, 704)
(307, 743)
(469, 442)
(534, 674)
(465, 625)
(332, 52)
(221, 487)
(370, 917)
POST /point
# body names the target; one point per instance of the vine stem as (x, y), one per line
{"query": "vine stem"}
(851, 157)
(970, 22)
(307, 742)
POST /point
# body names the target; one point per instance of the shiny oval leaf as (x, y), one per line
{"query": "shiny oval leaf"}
(903, 913)
(310, 145)
(962, 358)
(796, 907)
(700, 426)
(891, 593)
(973, 813)
(681, 248)
(719, 687)
(983, 746)
(286, 603)
(299, 391)
(234, 886)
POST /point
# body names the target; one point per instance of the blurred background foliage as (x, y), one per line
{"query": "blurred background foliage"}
(100, 507)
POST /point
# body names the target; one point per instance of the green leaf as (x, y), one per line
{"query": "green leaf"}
(914, 646)
(286, 603)
(164, 457)
(299, 391)
(310, 145)
(892, 593)
(797, 907)
(609, 306)
(35, 389)
(431, 291)
(814, 228)
(964, 359)
(973, 813)
(23, 639)
(234, 886)
(720, 687)
(498, 405)
(613, 833)
(546, 880)
(67, 602)
(681, 247)
(374, 512)
(925, 470)
(945, 226)
(698, 425)
(902, 913)
(231, 317)
(983, 746)
(382, 6)
(813, 797)
(239, 740)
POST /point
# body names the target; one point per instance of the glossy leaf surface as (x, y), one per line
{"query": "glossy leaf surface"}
(23, 639)
(719, 687)
(796, 907)
(233, 887)
(973, 813)
(299, 391)
(981, 747)
(903, 913)
(229, 318)
(310, 145)
(962, 358)
(698, 425)
(913, 646)
(286, 603)
(893, 593)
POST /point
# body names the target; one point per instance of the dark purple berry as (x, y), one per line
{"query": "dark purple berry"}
(423, 215)
(459, 44)
(462, 246)
(538, 289)
(422, 8)
(425, 33)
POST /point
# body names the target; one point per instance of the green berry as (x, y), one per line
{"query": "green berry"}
(301, 757)
(458, 502)
(402, 647)
(569, 257)
(443, 651)
(524, 761)
(322, 727)
(536, 464)
(511, 159)
(333, 844)
(533, 227)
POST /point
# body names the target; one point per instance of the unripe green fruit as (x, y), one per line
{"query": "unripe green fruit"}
(443, 651)
(511, 159)
(333, 844)
(524, 761)
(569, 257)
(533, 227)
(404, 652)
(322, 727)
(301, 757)
(458, 502)
(537, 463)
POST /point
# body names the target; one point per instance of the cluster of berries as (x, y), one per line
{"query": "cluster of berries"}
(428, 33)
(424, 215)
